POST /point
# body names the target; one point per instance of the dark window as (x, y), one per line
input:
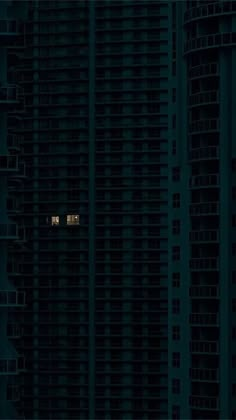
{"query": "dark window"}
(234, 165)
(234, 390)
(234, 220)
(234, 333)
(176, 253)
(176, 227)
(176, 200)
(175, 386)
(176, 173)
(175, 412)
(176, 332)
(234, 193)
(174, 147)
(234, 305)
(234, 277)
(176, 359)
(175, 306)
(234, 249)
(176, 279)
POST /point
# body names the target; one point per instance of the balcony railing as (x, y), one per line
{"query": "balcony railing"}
(204, 98)
(204, 346)
(204, 236)
(204, 292)
(8, 231)
(14, 330)
(10, 94)
(207, 403)
(204, 318)
(8, 164)
(210, 208)
(13, 141)
(211, 69)
(13, 392)
(209, 10)
(204, 264)
(203, 374)
(210, 41)
(204, 125)
(8, 366)
(209, 180)
(204, 153)
(11, 298)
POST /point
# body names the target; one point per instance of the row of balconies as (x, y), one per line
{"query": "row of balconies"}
(209, 10)
(12, 366)
(204, 346)
(201, 153)
(204, 98)
(199, 181)
(12, 298)
(204, 125)
(204, 374)
(12, 231)
(204, 318)
(211, 69)
(210, 41)
(208, 403)
(201, 209)
(204, 292)
(198, 264)
(204, 236)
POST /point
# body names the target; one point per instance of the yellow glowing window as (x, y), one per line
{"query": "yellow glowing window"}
(55, 220)
(72, 219)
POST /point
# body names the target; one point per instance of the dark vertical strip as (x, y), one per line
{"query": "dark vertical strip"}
(225, 229)
(91, 228)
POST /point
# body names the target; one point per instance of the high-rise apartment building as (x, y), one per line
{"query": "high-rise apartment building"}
(94, 268)
(121, 302)
(202, 358)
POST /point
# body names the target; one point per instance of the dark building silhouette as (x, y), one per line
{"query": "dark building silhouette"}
(117, 204)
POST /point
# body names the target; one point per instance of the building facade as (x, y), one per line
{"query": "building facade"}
(94, 268)
(202, 223)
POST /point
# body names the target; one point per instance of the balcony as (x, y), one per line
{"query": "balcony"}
(202, 70)
(11, 298)
(204, 374)
(205, 209)
(14, 331)
(204, 126)
(8, 366)
(201, 181)
(207, 403)
(10, 97)
(13, 392)
(204, 236)
(13, 206)
(199, 264)
(13, 142)
(208, 347)
(210, 41)
(204, 98)
(207, 319)
(204, 153)
(209, 10)
(8, 231)
(21, 234)
(208, 292)
(8, 164)
(9, 30)
(13, 268)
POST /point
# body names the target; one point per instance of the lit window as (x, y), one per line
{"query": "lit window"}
(55, 220)
(72, 219)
